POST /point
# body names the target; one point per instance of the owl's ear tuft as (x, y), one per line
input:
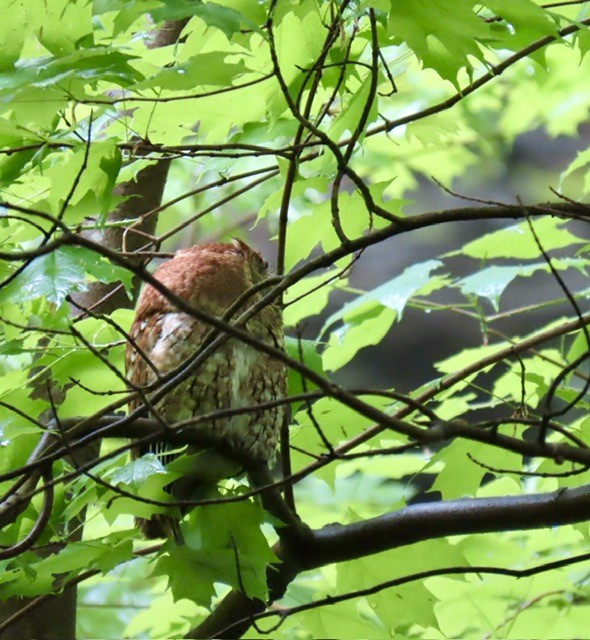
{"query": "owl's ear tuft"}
(255, 259)
(241, 246)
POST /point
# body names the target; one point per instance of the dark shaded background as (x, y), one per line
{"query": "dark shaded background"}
(403, 360)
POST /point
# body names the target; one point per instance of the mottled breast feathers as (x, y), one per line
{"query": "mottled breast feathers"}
(210, 278)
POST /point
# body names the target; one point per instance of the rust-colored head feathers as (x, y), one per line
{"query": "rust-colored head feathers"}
(206, 276)
(209, 277)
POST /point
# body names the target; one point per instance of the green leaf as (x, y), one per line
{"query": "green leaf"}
(341, 620)
(467, 357)
(71, 560)
(64, 26)
(212, 68)
(369, 317)
(150, 619)
(491, 282)
(369, 327)
(524, 15)
(90, 65)
(462, 475)
(224, 543)
(442, 34)
(145, 479)
(52, 276)
(136, 472)
(13, 39)
(214, 15)
(59, 273)
(12, 348)
(517, 241)
(93, 193)
(11, 166)
(408, 604)
(581, 162)
(100, 268)
(337, 423)
(538, 371)
(309, 296)
(351, 113)
(393, 294)
(120, 550)
(192, 574)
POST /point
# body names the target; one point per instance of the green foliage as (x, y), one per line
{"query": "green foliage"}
(331, 121)
(368, 318)
(58, 274)
(223, 544)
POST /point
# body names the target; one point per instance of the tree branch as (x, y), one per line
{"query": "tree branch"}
(416, 523)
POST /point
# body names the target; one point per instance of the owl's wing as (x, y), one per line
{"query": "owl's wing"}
(163, 341)
(158, 345)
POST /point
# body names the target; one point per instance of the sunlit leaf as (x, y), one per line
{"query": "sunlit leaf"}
(517, 241)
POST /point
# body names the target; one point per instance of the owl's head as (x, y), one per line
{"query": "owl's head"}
(257, 265)
(208, 276)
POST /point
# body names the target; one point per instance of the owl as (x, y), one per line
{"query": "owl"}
(209, 277)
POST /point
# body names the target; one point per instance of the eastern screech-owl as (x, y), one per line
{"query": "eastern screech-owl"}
(209, 277)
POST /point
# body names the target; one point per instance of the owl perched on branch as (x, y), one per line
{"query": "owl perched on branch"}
(209, 277)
